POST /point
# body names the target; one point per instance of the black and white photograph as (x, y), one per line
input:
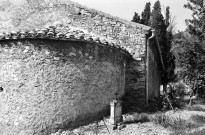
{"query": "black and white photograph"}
(102, 67)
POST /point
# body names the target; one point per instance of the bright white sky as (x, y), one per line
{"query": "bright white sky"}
(125, 8)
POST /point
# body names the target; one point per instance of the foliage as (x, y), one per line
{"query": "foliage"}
(175, 123)
(167, 17)
(198, 118)
(146, 14)
(158, 23)
(161, 24)
(136, 117)
(163, 29)
(136, 18)
(180, 89)
(195, 108)
(191, 55)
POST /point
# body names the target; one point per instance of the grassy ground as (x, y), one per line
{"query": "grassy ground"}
(186, 120)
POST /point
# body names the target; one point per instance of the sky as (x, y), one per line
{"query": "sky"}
(125, 8)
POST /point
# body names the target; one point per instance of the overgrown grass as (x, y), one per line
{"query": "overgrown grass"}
(175, 123)
(198, 119)
(136, 117)
(195, 108)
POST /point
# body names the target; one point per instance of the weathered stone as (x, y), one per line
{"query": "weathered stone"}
(56, 78)
(154, 79)
(52, 89)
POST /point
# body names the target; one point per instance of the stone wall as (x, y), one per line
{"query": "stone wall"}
(59, 76)
(118, 32)
(122, 33)
(52, 84)
(135, 85)
(143, 76)
(126, 34)
(154, 69)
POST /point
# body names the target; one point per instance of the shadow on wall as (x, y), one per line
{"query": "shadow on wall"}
(50, 85)
(134, 98)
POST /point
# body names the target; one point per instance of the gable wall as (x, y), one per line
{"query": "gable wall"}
(154, 70)
(126, 34)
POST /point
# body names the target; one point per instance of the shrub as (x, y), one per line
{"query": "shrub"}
(180, 89)
(175, 123)
(195, 108)
(134, 118)
(198, 118)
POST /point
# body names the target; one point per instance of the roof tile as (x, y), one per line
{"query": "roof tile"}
(60, 32)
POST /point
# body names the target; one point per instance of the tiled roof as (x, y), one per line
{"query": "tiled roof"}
(60, 32)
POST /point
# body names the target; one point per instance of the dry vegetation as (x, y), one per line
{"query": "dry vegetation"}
(189, 120)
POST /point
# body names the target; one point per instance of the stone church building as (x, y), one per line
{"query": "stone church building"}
(62, 75)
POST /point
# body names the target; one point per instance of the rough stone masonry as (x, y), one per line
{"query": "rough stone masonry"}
(61, 76)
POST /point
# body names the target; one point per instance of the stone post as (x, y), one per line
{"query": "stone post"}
(115, 112)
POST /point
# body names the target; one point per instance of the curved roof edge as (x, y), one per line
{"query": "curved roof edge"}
(60, 32)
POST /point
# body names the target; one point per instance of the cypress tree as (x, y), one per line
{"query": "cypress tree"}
(167, 17)
(136, 18)
(170, 58)
(161, 24)
(158, 23)
(146, 14)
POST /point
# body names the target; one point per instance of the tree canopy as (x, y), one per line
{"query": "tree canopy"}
(161, 24)
(146, 14)
(136, 18)
(191, 58)
(163, 29)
